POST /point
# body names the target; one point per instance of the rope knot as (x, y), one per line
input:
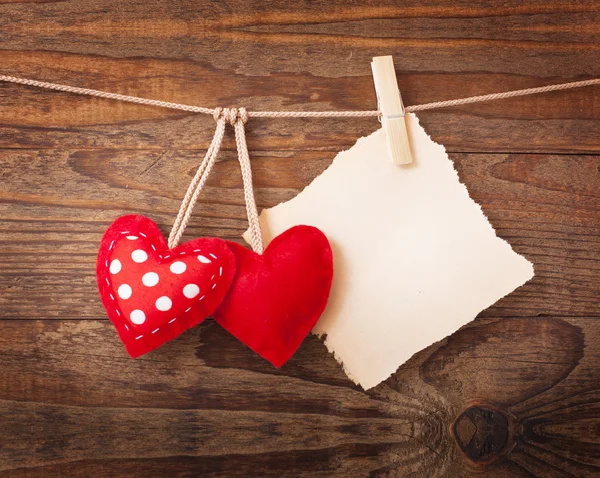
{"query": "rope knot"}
(243, 115)
(231, 115)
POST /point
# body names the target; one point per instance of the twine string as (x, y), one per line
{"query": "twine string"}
(255, 234)
(298, 114)
(198, 182)
(501, 96)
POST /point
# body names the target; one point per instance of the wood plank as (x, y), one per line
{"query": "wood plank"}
(73, 401)
(299, 57)
(55, 205)
(512, 394)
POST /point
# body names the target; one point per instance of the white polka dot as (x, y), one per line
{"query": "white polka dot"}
(204, 260)
(137, 317)
(139, 256)
(178, 267)
(163, 303)
(131, 238)
(191, 291)
(150, 279)
(124, 291)
(115, 266)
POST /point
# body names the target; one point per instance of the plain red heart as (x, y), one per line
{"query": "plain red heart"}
(153, 294)
(277, 297)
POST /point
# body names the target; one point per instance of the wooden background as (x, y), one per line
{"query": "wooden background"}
(515, 393)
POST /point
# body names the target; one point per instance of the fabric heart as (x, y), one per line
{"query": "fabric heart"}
(153, 294)
(277, 297)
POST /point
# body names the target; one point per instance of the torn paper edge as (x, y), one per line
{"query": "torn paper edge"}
(338, 157)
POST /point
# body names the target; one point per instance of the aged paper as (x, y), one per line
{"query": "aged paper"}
(415, 258)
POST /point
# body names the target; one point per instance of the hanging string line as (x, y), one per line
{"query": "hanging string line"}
(238, 118)
(298, 114)
(254, 233)
(198, 182)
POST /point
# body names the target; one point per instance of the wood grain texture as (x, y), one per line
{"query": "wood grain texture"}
(515, 393)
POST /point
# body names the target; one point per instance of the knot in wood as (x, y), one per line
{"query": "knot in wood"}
(482, 433)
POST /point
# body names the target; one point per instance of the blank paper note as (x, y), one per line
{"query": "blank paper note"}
(415, 258)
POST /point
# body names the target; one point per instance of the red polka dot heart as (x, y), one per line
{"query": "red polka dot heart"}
(153, 294)
(268, 298)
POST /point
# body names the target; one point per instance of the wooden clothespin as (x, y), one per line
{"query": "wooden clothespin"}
(392, 109)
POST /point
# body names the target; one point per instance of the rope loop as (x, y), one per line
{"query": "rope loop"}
(236, 117)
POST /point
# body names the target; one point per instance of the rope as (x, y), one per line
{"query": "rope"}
(198, 182)
(180, 106)
(501, 96)
(105, 94)
(256, 240)
(298, 114)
